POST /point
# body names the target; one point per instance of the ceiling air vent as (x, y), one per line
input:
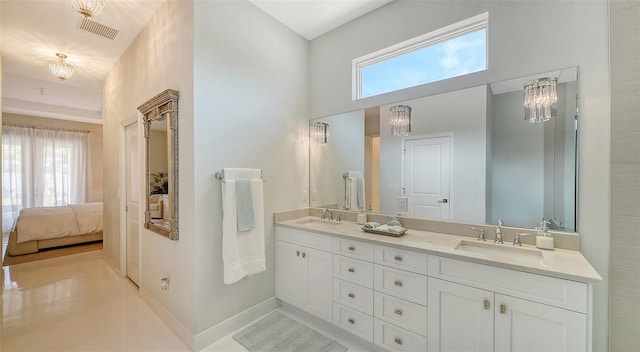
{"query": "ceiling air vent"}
(99, 29)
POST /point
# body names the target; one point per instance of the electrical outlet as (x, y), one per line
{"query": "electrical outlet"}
(165, 283)
(305, 195)
(314, 195)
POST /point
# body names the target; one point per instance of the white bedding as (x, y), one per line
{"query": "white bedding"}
(54, 222)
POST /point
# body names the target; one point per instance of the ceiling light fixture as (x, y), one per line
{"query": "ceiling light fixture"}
(88, 8)
(400, 120)
(540, 99)
(61, 68)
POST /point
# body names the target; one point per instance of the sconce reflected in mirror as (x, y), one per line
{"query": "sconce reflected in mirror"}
(400, 120)
(540, 99)
(319, 132)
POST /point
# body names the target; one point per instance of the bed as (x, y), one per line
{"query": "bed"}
(48, 227)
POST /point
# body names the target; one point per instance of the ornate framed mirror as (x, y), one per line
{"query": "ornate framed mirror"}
(160, 118)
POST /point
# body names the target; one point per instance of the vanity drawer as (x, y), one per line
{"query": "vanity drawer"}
(355, 322)
(401, 259)
(393, 338)
(308, 239)
(353, 249)
(353, 296)
(353, 270)
(405, 314)
(402, 284)
(553, 291)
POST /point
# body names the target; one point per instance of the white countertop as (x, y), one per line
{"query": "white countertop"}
(561, 263)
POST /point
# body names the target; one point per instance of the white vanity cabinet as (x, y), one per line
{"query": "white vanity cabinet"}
(507, 310)
(303, 273)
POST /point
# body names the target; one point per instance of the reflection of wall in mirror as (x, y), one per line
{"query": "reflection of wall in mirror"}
(532, 173)
(462, 113)
(344, 151)
(158, 154)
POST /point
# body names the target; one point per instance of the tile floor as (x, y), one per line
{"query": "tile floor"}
(77, 303)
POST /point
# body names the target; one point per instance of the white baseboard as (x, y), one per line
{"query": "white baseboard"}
(168, 318)
(234, 323)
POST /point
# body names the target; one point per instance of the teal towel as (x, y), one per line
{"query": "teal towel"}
(244, 205)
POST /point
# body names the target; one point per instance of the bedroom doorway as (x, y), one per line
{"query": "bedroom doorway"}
(132, 204)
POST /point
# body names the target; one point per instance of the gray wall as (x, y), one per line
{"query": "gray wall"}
(250, 110)
(576, 32)
(625, 175)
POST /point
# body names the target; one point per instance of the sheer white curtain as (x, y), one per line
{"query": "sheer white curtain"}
(42, 167)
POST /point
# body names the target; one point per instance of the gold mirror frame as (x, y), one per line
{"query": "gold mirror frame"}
(163, 105)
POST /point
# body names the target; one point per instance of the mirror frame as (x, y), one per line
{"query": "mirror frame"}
(163, 105)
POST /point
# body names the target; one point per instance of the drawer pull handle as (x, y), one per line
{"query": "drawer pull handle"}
(398, 341)
(298, 253)
(486, 304)
(304, 254)
(398, 283)
(398, 311)
(351, 270)
(351, 321)
(352, 248)
(398, 258)
(351, 295)
(503, 309)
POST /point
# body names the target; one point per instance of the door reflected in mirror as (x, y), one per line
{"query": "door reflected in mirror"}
(470, 157)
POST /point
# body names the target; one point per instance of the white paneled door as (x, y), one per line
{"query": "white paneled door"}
(426, 177)
(133, 196)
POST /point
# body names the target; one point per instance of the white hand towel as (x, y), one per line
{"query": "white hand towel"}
(242, 252)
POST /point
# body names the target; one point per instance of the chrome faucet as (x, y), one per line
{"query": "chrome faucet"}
(517, 240)
(481, 236)
(324, 214)
(498, 239)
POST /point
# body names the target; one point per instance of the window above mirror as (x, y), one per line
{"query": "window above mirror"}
(451, 51)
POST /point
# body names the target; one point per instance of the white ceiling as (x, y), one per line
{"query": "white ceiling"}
(33, 31)
(313, 18)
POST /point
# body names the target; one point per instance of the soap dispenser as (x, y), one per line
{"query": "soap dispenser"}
(544, 240)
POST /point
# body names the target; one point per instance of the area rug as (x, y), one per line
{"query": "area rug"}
(277, 332)
(51, 253)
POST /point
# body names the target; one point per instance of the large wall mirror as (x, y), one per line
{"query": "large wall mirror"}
(160, 117)
(470, 157)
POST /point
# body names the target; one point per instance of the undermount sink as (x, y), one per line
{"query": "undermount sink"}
(517, 255)
(319, 223)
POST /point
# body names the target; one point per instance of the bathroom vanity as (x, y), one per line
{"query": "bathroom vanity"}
(434, 291)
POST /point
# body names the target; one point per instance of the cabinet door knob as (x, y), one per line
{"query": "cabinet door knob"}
(398, 311)
(398, 258)
(486, 304)
(503, 309)
(398, 341)
(351, 321)
(304, 254)
(352, 248)
(351, 295)
(351, 270)
(398, 283)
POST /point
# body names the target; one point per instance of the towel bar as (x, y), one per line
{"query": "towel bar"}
(220, 175)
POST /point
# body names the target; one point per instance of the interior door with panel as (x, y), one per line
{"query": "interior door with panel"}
(132, 194)
(529, 326)
(426, 177)
(460, 318)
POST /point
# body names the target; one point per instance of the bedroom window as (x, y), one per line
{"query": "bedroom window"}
(451, 51)
(42, 167)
